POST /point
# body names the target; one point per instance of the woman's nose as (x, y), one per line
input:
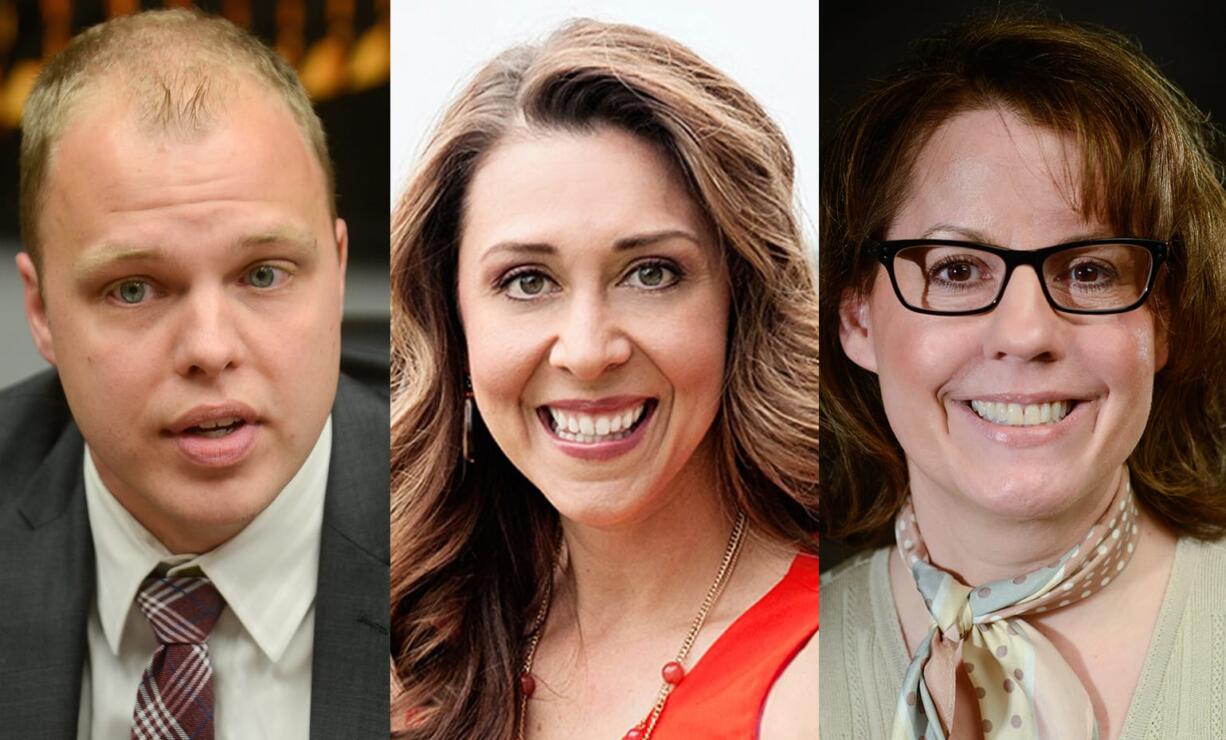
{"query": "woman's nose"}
(590, 339)
(1024, 325)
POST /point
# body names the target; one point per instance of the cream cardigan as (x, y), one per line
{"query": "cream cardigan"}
(1181, 692)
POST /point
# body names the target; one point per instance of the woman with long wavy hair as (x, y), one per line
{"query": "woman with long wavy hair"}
(605, 407)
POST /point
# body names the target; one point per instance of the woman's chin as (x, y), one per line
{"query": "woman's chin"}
(598, 504)
(1026, 493)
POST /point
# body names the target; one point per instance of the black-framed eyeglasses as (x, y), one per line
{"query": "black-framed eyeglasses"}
(947, 277)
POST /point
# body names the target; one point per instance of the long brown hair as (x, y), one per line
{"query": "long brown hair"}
(1148, 167)
(474, 545)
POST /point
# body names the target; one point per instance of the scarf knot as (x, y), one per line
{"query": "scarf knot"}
(1021, 682)
(959, 628)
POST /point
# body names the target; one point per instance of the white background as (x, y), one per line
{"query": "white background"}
(768, 46)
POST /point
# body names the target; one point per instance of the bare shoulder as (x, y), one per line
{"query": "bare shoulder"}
(791, 707)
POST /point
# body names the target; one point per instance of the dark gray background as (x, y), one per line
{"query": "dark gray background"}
(864, 41)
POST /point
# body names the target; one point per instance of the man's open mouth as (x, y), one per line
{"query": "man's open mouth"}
(216, 428)
(216, 435)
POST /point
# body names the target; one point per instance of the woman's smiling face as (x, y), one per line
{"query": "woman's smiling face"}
(988, 176)
(595, 308)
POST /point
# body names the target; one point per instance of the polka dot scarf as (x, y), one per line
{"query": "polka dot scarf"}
(1025, 687)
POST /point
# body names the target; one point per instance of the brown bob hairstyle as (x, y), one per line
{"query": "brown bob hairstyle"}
(474, 545)
(1147, 168)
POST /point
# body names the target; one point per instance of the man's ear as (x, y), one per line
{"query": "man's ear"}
(341, 231)
(856, 329)
(36, 308)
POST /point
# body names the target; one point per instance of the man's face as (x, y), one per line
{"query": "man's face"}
(191, 301)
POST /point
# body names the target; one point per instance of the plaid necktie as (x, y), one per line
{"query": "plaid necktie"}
(175, 698)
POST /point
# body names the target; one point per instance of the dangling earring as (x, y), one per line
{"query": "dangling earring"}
(468, 420)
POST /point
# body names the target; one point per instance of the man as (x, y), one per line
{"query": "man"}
(193, 504)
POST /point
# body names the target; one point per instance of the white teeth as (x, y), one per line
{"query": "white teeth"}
(227, 421)
(1017, 415)
(588, 439)
(589, 429)
(216, 428)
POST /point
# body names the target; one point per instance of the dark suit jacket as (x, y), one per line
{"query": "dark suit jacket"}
(47, 564)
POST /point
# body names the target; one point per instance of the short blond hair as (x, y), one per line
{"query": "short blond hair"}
(175, 67)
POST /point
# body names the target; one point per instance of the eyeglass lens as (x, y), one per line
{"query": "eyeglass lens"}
(1100, 277)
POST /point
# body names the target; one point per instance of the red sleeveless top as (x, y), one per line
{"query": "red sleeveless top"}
(722, 698)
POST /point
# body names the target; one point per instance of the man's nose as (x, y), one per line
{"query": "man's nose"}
(1024, 325)
(208, 340)
(590, 339)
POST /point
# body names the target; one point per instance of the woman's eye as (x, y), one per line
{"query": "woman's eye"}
(1088, 273)
(652, 276)
(526, 285)
(132, 292)
(264, 276)
(958, 272)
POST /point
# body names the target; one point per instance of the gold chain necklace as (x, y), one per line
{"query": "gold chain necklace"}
(673, 671)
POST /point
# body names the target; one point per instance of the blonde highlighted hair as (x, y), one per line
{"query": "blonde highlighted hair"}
(474, 544)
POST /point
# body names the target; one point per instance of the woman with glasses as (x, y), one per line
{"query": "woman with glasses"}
(1023, 284)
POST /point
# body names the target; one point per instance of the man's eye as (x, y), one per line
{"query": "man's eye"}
(132, 292)
(265, 276)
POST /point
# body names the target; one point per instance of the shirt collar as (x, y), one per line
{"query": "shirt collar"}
(267, 573)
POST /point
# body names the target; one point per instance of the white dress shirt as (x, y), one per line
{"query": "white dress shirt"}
(261, 645)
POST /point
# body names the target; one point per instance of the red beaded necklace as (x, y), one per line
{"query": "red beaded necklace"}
(673, 671)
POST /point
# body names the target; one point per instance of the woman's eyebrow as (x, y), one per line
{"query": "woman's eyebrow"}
(982, 238)
(966, 233)
(519, 248)
(653, 237)
(635, 241)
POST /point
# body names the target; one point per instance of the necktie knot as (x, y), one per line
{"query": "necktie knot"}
(182, 610)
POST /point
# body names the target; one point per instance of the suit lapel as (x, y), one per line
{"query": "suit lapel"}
(349, 681)
(47, 582)
(47, 585)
